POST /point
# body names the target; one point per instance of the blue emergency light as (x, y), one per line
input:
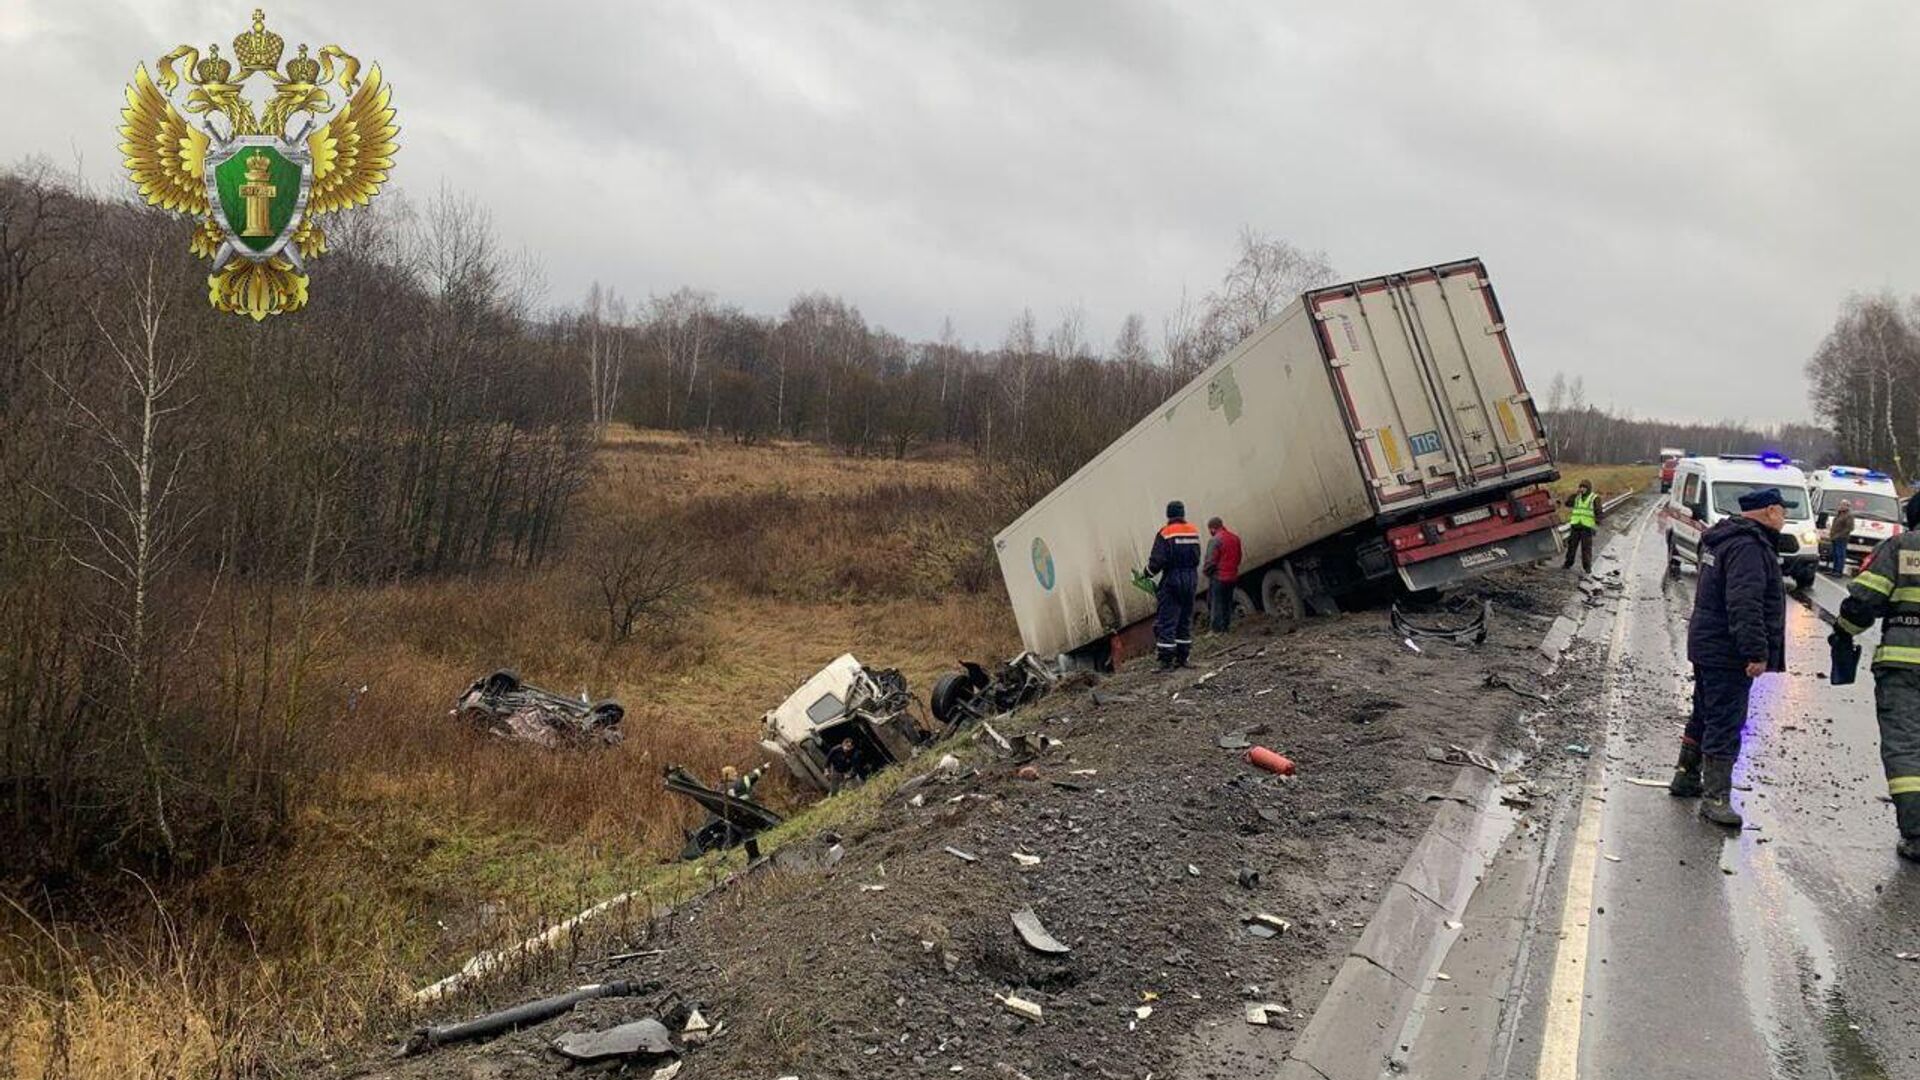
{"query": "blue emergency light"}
(1772, 460)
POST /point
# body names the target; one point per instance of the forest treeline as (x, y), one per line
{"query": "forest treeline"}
(178, 483)
(1865, 381)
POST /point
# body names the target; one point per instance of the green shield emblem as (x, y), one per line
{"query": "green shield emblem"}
(259, 188)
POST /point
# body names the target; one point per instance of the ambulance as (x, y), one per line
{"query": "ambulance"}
(1875, 502)
(1708, 489)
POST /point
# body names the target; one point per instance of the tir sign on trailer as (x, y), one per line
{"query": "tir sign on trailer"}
(1372, 431)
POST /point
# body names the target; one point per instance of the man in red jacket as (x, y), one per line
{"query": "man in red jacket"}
(1222, 567)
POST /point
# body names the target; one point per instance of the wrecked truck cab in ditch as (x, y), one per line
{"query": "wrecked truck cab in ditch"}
(844, 700)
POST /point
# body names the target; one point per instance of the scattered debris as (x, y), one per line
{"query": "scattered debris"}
(873, 888)
(696, 1029)
(503, 706)
(1611, 858)
(1274, 924)
(618, 957)
(1408, 642)
(1645, 781)
(1263, 1013)
(1579, 749)
(1497, 680)
(1233, 740)
(1034, 934)
(1443, 976)
(1028, 772)
(1248, 877)
(947, 764)
(1461, 621)
(1906, 956)
(960, 697)
(1454, 924)
(519, 1016)
(963, 856)
(1025, 859)
(1460, 755)
(667, 1071)
(1192, 870)
(1271, 761)
(641, 1038)
(1519, 799)
(1021, 1006)
(731, 819)
(1142, 1012)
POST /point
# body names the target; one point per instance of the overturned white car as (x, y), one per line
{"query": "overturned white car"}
(845, 721)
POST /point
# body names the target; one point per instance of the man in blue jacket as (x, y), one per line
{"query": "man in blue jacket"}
(1737, 632)
(1176, 559)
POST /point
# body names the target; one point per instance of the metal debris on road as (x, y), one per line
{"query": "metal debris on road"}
(1272, 922)
(873, 888)
(1142, 1012)
(1462, 622)
(1025, 859)
(1248, 877)
(963, 856)
(1192, 870)
(1611, 858)
(1233, 740)
(1497, 680)
(1645, 781)
(1906, 956)
(1035, 934)
(1579, 749)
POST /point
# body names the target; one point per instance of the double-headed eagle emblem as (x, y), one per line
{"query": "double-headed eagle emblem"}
(259, 187)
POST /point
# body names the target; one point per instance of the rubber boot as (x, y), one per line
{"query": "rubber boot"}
(1716, 792)
(1906, 810)
(1686, 773)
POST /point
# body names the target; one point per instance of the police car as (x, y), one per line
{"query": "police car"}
(1707, 489)
(1875, 501)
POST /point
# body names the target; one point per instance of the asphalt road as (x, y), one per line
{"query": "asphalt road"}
(1668, 947)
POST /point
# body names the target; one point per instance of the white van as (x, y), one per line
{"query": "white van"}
(1876, 505)
(1707, 489)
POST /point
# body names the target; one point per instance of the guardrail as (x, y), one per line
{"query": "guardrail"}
(1607, 506)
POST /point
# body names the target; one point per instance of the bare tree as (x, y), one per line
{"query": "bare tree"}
(131, 511)
(1268, 275)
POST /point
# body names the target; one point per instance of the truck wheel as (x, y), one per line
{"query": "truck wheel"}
(950, 691)
(1280, 594)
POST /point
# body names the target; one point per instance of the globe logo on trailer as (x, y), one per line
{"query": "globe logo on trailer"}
(1043, 564)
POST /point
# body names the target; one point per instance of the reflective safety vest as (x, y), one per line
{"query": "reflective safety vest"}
(1888, 589)
(1583, 516)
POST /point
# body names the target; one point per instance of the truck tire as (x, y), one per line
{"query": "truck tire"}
(950, 691)
(1280, 594)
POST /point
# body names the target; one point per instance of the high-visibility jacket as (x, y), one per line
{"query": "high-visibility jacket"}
(1586, 511)
(1887, 588)
(1175, 548)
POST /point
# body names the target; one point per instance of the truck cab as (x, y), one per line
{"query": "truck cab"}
(1669, 461)
(1707, 490)
(1876, 507)
(844, 700)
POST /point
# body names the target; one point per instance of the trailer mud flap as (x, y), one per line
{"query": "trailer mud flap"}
(1445, 570)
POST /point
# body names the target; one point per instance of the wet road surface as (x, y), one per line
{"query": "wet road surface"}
(1710, 954)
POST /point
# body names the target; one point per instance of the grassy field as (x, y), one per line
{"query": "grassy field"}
(424, 842)
(1608, 480)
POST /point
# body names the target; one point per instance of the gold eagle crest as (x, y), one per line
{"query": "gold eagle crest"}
(259, 185)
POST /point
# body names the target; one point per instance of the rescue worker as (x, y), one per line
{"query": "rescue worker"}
(1222, 567)
(1583, 520)
(1839, 531)
(1176, 559)
(1887, 588)
(1737, 632)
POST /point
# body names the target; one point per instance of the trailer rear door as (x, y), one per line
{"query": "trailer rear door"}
(1426, 377)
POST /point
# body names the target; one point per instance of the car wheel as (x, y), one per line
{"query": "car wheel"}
(1803, 578)
(950, 691)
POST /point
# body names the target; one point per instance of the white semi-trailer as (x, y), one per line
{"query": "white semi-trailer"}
(1374, 431)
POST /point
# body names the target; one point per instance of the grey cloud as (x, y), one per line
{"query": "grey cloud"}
(1673, 198)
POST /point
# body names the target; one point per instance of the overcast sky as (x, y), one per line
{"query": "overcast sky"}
(1672, 198)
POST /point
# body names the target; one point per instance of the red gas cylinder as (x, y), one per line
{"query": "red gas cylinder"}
(1267, 759)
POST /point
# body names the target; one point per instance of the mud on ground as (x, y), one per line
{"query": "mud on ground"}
(887, 962)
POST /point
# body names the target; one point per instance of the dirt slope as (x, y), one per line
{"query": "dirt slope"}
(886, 963)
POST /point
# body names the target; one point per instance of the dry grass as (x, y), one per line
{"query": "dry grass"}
(426, 842)
(1608, 480)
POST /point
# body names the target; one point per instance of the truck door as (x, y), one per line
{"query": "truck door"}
(1425, 373)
